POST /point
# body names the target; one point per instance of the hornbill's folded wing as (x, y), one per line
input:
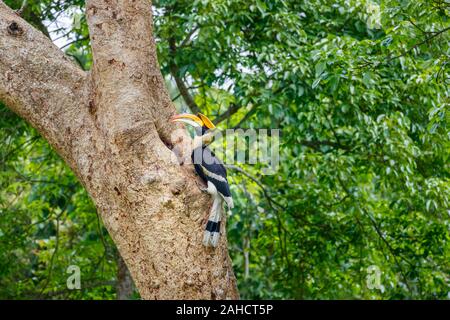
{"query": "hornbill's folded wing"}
(215, 172)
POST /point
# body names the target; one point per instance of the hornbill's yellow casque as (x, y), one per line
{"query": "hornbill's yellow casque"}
(211, 170)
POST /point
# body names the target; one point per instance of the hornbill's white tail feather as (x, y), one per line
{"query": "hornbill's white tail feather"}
(229, 202)
(212, 230)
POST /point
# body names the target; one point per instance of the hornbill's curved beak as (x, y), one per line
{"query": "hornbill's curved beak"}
(196, 121)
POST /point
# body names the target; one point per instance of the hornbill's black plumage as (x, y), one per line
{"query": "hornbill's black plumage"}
(212, 172)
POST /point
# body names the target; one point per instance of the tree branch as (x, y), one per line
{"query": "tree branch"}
(74, 41)
(22, 7)
(140, 191)
(175, 72)
(246, 116)
(230, 111)
(389, 58)
(378, 232)
(41, 84)
(186, 40)
(426, 40)
(270, 200)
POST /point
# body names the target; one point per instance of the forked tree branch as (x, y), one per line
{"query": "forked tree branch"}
(112, 127)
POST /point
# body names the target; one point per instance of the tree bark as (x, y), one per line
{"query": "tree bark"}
(111, 126)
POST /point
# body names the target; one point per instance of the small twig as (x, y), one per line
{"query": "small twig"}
(246, 117)
(74, 41)
(380, 234)
(417, 27)
(52, 259)
(21, 146)
(176, 97)
(282, 231)
(233, 108)
(22, 7)
(259, 183)
(100, 233)
(434, 35)
(188, 37)
(182, 88)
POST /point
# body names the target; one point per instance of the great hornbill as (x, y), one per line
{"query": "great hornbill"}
(211, 170)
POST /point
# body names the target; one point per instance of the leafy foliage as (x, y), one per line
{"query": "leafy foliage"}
(360, 92)
(47, 223)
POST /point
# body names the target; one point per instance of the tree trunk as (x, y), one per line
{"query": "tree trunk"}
(111, 126)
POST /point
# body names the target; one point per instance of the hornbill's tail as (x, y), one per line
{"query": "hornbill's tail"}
(212, 230)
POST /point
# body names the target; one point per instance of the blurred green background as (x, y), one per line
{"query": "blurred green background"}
(360, 92)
